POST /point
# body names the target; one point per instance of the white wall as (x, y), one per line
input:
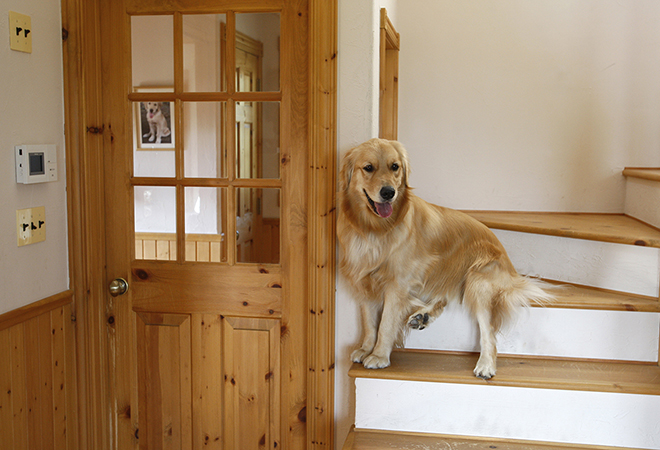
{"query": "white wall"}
(518, 105)
(357, 121)
(508, 105)
(32, 112)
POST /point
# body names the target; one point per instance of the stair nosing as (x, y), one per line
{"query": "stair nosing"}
(383, 438)
(639, 233)
(540, 373)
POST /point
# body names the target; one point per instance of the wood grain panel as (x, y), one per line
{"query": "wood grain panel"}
(35, 411)
(19, 385)
(252, 397)
(323, 163)
(6, 422)
(164, 382)
(207, 288)
(37, 382)
(207, 381)
(58, 361)
(35, 309)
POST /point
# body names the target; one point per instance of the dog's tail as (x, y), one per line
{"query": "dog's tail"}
(523, 291)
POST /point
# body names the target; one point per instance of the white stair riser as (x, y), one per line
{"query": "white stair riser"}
(625, 268)
(643, 200)
(515, 413)
(572, 333)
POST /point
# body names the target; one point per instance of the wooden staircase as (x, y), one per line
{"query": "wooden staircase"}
(581, 373)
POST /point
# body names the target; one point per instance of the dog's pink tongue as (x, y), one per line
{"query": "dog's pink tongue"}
(384, 209)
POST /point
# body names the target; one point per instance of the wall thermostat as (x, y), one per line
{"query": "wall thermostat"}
(36, 163)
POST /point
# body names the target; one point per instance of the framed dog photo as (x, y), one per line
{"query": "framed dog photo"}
(154, 123)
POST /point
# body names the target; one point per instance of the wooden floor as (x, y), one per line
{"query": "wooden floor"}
(514, 371)
(380, 440)
(616, 228)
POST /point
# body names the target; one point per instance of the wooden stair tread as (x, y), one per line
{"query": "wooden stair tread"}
(518, 371)
(616, 228)
(650, 173)
(574, 296)
(361, 439)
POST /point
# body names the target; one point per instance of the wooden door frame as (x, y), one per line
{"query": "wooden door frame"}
(84, 130)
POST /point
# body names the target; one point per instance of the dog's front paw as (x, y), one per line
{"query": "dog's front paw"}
(485, 370)
(359, 354)
(418, 321)
(376, 362)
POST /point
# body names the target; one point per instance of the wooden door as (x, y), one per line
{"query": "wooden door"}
(208, 345)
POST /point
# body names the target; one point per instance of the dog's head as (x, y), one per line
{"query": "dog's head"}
(152, 108)
(374, 177)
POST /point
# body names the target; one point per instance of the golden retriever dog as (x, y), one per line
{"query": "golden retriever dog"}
(158, 128)
(406, 259)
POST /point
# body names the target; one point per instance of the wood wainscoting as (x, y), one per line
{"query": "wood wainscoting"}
(38, 407)
(209, 247)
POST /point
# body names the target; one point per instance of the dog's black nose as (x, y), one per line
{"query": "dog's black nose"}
(387, 193)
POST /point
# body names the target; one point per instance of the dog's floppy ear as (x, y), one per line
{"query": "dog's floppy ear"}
(403, 154)
(346, 170)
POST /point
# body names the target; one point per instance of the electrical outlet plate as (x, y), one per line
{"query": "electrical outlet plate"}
(31, 225)
(20, 32)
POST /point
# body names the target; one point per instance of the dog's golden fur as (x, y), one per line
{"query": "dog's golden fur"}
(406, 259)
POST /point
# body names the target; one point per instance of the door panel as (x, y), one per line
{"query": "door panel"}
(249, 290)
(252, 372)
(200, 342)
(208, 383)
(203, 368)
(165, 400)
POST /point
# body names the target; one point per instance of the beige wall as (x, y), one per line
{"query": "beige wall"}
(520, 105)
(31, 112)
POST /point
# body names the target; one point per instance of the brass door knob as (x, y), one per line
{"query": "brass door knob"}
(118, 286)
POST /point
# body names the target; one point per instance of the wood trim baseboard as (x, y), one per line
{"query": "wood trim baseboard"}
(35, 309)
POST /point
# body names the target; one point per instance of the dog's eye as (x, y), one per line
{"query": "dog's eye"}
(368, 168)
(395, 167)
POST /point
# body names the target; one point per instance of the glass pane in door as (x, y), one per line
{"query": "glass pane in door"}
(153, 139)
(155, 222)
(257, 52)
(152, 47)
(203, 52)
(203, 139)
(258, 225)
(258, 140)
(205, 224)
